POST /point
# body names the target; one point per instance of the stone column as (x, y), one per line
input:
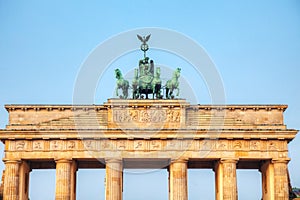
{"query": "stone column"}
(225, 179)
(114, 179)
(267, 173)
(11, 180)
(73, 180)
(281, 179)
(178, 180)
(24, 180)
(63, 179)
(218, 169)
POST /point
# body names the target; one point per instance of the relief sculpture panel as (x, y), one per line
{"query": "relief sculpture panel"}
(146, 116)
(37, 145)
(55, 145)
(20, 145)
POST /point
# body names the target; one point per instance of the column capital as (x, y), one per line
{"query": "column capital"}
(113, 160)
(284, 161)
(16, 161)
(63, 160)
(229, 160)
(180, 160)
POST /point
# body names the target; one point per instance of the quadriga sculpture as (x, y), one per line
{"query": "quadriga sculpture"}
(145, 81)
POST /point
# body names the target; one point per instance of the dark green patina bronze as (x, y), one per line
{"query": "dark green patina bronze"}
(121, 84)
(147, 79)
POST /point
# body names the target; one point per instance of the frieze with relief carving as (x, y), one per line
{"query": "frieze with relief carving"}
(146, 116)
(149, 145)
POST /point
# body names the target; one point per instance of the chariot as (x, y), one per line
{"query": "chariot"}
(147, 79)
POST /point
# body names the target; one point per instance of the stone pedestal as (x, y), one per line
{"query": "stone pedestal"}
(63, 179)
(178, 180)
(11, 180)
(226, 185)
(114, 179)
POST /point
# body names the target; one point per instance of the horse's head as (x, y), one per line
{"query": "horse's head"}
(118, 73)
(157, 72)
(177, 72)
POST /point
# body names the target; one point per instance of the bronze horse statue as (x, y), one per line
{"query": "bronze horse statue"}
(173, 84)
(121, 84)
(156, 84)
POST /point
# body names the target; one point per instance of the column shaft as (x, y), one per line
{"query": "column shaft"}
(178, 180)
(24, 180)
(281, 179)
(63, 180)
(267, 173)
(114, 179)
(219, 181)
(226, 185)
(73, 180)
(11, 180)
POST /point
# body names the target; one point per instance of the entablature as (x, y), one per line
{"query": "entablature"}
(264, 134)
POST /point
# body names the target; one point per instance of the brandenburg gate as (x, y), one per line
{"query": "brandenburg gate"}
(146, 133)
(162, 132)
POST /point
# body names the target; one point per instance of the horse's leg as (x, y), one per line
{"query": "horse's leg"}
(153, 93)
(124, 93)
(167, 93)
(146, 93)
(127, 87)
(171, 92)
(134, 93)
(158, 91)
(137, 93)
(117, 93)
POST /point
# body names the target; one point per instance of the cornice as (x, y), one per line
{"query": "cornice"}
(141, 103)
(35, 107)
(243, 107)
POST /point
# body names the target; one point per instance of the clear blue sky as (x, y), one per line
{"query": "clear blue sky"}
(254, 44)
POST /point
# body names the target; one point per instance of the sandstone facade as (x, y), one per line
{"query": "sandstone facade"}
(168, 134)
